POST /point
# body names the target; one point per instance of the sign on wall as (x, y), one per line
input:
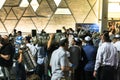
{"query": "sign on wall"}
(92, 27)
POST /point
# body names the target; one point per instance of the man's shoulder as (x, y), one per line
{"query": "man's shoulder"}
(59, 52)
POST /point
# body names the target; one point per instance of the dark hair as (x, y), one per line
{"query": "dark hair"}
(4, 41)
(63, 41)
(28, 38)
(20, 32)
(106, 37)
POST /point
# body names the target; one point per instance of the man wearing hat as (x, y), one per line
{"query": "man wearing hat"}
(90, 51)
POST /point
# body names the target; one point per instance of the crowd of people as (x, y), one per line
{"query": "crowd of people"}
(69, 55)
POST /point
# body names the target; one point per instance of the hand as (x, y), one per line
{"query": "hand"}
(52, 35)
(1, 45)
(94, 73)
(20, 51)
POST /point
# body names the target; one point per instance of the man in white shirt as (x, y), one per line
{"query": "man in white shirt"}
(106, 60)
(59, 61)
(117, 45)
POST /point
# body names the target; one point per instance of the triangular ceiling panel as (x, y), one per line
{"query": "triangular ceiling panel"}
(29, 1)
(80, 12)
(39, 1)
(12, 3)
(63, 4)
(18, 11)
(44, 9)
(3, 14)
(49, 28)
(7, 9)
(9, 24)
(25, 25)
(52, 5)
(40, 22)
(29, 12)
(92, 2)
(11, 15)
(95, 8)
(89, 17)
(59, 21)
(34, 4)
(2, 28)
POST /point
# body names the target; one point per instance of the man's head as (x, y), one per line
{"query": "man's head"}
(19, 33)
(64, 42)
(117, 36)
(76, 41)
(106, 37)
(4, 40)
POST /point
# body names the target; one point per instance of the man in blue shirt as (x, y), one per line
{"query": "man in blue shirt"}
(90, 51)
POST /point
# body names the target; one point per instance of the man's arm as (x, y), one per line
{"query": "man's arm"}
(6, 57)
(65, 68)
(20, 56)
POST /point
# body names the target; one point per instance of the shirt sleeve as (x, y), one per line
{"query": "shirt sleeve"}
(64, 60)
(98, 58)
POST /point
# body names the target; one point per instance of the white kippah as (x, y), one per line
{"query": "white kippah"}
(77, 39)
(87, 38)
(117, 36)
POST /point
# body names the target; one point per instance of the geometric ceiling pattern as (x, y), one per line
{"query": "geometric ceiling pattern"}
(46, 14)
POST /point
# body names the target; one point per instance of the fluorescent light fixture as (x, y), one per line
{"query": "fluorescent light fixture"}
(114, 7)
(57, 2)
(34, 4)
(24, 3)
(62, 11)
(2, 3)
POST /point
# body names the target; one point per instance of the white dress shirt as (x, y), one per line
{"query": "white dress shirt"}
(117, 45)
(106, 55)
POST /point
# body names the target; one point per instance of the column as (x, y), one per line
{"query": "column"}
(104, 23)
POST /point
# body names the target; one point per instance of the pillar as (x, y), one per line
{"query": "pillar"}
(104, 22)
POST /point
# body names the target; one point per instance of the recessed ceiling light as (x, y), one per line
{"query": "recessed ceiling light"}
(57, 2)
(2, 3)
(62, 11)
(34, 5)
(24, 3)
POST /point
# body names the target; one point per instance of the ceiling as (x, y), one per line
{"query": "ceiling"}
(48, 15)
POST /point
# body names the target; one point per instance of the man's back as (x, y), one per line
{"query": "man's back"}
(7, 49)
(58, 59)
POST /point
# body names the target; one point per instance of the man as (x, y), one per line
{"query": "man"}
(117, 45)
(6, 54)
(106, 60)
(90, 51)
(77, 58)
(59, 61)
(19, 64)
(18, 42)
